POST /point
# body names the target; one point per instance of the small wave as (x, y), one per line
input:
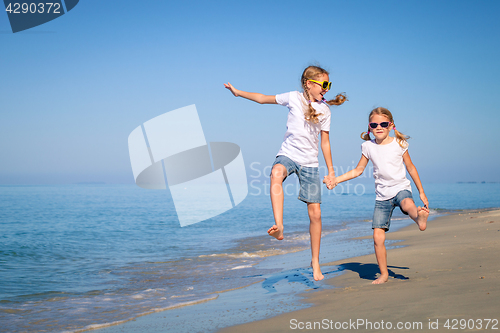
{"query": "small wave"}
(306, 237)
(244, 255)
(241, 267)
(257, 254)
(146, 293)
(300, 237)
(180, 305)
(99, 326)
(231, 255)
(184, 295)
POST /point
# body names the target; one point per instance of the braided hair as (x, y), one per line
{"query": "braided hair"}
(312, 73)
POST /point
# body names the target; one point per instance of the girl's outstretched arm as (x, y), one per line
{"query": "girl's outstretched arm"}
(356, 172)
(329, 180)
(256, 97)
(412, 170)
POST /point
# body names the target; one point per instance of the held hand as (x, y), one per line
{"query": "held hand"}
(233, 90)
(327, 183)
(423, 197)
(330, 181)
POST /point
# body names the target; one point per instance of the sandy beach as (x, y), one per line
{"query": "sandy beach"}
(444, 278)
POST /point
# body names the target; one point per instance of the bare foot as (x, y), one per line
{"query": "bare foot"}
(381, 279)
(317, 271)
(423, 214)
(276, 232)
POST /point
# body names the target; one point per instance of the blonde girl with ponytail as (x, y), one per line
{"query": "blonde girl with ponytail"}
(308, 118)
(401, 139)
(389, 156)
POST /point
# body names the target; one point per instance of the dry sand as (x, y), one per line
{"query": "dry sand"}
(450, 272)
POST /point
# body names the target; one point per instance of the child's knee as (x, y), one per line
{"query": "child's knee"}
(378, 236)
(379, 241)
(278, 173)
(314, 211)
(407, 204)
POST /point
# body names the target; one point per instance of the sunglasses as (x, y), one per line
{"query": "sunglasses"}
(383, 124)
(325, 84)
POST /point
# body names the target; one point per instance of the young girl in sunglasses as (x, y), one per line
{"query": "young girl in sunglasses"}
(309, 116)
(389, 155)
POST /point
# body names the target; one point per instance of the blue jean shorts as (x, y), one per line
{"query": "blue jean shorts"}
(310, 186)
(383, 210)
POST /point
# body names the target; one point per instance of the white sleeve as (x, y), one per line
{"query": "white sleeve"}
(283, 99)
(365, 150)
(325, 122)
(403, 150)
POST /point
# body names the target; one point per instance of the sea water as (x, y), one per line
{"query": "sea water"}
(76, 256)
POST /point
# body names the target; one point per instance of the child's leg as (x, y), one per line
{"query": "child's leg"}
(314, 211)
(381, 254)
(419, 215)
(278, 174)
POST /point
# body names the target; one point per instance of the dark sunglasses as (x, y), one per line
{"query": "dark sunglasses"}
(383, 124)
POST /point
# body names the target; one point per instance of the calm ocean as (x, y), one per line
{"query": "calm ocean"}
(72, 256)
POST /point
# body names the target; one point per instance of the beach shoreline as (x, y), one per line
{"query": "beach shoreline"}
(445, 276)
(338, 298)
(123, 267)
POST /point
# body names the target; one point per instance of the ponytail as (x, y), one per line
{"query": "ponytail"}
(311, 114)
(401, 138)
(365, 136)
(338, 100)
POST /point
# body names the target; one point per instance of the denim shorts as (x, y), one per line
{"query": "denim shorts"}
(383, 210)
(310, 186)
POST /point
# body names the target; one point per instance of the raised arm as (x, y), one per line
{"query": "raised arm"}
(356, 172)
(412, 170)
(256, 97)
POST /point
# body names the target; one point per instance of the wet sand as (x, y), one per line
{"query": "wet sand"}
(448, 274)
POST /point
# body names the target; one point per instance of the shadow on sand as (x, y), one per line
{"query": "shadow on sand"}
(370, 271)
(299, 275)
(305, 276)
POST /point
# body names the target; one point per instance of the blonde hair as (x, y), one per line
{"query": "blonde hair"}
(312, 73)
(400, 137)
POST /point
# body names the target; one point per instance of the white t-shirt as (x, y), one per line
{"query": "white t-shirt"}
(388, 168)
(300, 143)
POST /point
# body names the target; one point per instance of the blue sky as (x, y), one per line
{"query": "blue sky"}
(73, 89)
